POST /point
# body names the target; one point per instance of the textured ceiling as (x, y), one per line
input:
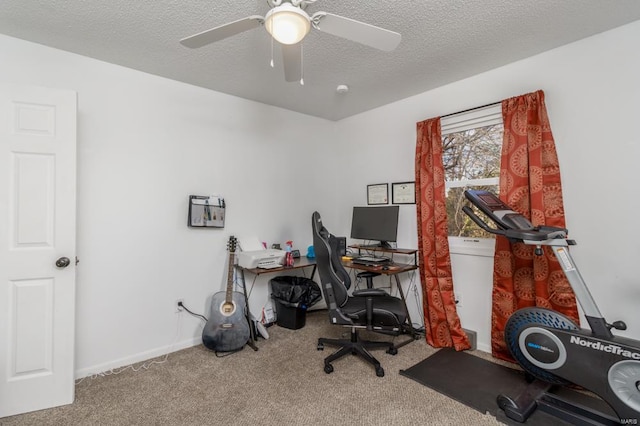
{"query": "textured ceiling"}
(442, 41)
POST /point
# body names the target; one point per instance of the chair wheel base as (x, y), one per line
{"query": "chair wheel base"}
(355, 347)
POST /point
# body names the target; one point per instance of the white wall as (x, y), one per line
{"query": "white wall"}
(592, 92)
(146, 143)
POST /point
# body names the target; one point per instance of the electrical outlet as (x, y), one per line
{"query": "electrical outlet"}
(458, 296)
(178, 308)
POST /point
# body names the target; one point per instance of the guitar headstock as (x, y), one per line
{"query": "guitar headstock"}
(231, 245)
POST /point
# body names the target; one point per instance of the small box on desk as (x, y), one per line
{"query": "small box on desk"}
(290, 317)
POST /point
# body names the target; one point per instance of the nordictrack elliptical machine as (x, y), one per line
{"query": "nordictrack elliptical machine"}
(551, 347)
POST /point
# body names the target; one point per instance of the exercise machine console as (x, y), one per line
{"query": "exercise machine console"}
(551, 347)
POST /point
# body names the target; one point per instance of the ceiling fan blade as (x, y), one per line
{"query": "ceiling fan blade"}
(357, 31)
(292, 61)
(222, 32)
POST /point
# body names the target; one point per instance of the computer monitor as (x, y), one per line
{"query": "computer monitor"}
(375, 224)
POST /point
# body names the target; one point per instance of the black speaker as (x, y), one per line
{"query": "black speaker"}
(342, 246)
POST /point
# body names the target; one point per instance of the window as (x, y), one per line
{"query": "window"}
(472, 143)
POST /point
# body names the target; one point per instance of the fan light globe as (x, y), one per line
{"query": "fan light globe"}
(287, 24)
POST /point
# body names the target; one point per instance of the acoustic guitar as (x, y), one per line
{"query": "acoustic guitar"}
(227, 328)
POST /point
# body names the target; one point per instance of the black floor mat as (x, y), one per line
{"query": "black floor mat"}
(476, 383)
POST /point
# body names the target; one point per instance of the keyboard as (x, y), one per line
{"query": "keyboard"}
(371, 260)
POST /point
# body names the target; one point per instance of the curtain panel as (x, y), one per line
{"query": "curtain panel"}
(530, 184)
(442, 324)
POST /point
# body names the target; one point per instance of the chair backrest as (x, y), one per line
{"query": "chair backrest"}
(335, 279)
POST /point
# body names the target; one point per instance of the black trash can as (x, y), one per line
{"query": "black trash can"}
(292, 297)
(290, 316)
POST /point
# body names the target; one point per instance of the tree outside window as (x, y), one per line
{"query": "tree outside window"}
(471, 159)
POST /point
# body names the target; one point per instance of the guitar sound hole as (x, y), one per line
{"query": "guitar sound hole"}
(227, 308)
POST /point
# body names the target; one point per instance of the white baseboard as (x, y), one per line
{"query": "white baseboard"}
(139, 357)
(484, 348)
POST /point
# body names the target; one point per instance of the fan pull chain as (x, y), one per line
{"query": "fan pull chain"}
(301, 65)
(271, 52)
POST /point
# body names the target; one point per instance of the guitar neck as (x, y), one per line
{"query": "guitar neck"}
(229, 295)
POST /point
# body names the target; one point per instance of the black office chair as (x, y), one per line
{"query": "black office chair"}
(371, 309)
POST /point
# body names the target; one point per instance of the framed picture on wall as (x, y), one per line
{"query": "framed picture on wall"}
(378, 194)
(403, 193)
(206, 211)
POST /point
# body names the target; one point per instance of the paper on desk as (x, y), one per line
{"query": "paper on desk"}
(250, 244)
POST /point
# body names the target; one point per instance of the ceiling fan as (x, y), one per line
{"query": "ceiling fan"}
(288, 24)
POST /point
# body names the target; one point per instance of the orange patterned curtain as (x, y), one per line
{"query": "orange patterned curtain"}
(530, 184)
(442, 324)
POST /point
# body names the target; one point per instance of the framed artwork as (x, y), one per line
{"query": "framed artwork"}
(378, 194)
(403, 193)
(206, 211)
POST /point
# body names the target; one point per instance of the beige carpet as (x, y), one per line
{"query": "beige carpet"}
(281, 384)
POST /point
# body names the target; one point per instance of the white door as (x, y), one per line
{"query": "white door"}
(37, 229)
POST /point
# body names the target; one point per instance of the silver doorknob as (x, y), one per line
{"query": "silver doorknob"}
(63, 262)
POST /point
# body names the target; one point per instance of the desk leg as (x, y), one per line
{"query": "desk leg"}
(411, 330)
(252, 336)
(313, 271)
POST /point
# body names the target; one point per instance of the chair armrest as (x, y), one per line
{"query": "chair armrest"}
(370, 292)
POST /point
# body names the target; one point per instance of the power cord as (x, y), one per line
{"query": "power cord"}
(181, 305)
(144, 366)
